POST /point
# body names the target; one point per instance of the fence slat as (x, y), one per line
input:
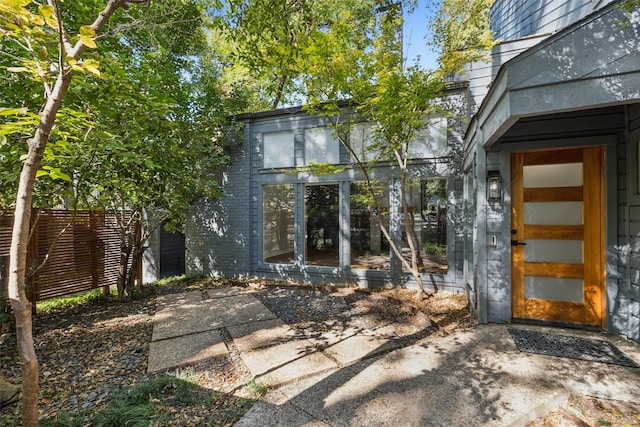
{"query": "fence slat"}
(83, 248)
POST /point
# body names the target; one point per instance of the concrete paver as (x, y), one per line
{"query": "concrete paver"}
(227, 292)
(285, 362)
(185, 350)
(471, 378)
(257, 335)
(192, 317)
(172, 300)
(357, 347)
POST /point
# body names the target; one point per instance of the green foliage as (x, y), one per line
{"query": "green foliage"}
(256, 389)
(462, 33)
(60, 303)
(142, 128)
(432, 248)
(66, 419)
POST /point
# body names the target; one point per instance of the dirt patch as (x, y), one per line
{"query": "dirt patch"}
(584, 411)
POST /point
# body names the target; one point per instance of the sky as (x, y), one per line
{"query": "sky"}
(415, 36)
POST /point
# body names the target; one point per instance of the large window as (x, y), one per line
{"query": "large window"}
(361, 141)
(430, 141)
(322, 226)
(320, 146)
(369, 247)
(279, 227)
(427, 206)
(278, 149)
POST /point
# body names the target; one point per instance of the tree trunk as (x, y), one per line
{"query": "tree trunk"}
(22, 216)
(125, 255)
(416, 259)
(18, 251)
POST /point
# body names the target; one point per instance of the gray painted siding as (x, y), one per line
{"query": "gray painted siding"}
(628, 319)
(224, 237)
(518, 25)
(514, 19)
(499, 255)
(218, 238)
(481, 74)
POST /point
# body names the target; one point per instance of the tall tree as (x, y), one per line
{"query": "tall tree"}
(331, 51)
(45, 48)
(162, 76)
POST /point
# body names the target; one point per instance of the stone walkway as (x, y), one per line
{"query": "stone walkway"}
(476, 377)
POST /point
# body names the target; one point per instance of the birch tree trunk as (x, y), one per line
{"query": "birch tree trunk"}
(20, 237)
(18, 251)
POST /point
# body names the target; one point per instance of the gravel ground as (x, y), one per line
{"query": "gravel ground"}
(89, 352)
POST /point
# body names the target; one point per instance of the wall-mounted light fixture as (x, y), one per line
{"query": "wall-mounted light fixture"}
(494, 186)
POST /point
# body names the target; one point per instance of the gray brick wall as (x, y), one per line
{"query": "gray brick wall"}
(217, 233)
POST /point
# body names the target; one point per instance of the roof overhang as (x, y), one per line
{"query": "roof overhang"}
(593, 63)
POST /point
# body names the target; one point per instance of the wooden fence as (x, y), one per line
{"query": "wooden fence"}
(81, 249)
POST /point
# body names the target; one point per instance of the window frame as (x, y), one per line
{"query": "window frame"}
(633, 167)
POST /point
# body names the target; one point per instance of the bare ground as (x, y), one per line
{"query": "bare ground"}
(89, 352)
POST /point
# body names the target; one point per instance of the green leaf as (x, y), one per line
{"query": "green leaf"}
(88, 42)
(13, 111)
(47, 13)
(19, 69)
(41, 173)
(91, 66)
(14, 4)
(87, 31)
(56, 173)
(87, 36)
(46, 10)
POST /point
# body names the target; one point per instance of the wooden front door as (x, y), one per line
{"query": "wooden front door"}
(557, 236)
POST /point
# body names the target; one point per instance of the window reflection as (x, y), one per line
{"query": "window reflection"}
(369, 247)
(321, 211)
(427, 205)
(279, 230)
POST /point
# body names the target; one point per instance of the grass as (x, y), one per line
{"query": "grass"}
(256, 389)
(96, 295)
(68, 301)
(152, 402)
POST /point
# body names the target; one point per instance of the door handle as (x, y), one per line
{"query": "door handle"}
(516, 243)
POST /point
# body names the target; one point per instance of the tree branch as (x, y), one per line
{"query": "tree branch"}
(100, 22)
(65, 41)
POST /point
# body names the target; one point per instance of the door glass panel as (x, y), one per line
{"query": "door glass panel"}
(321, 213)
(553, 213)
(562, 175)
(558, 251)
(551, 288)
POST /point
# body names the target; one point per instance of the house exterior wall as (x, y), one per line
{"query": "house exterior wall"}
(515, 19)
(627, 318)
(225, 237)
(575, 88)
(519, 25)
(217, 234)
